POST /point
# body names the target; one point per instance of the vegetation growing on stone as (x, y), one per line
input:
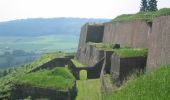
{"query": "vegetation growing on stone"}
(150, 86)
(59, 78)
(148, 16)
(102, 46)
(131, 52)
(14, 73)
(77, 63)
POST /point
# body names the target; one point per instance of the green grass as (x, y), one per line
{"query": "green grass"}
(77, 63)
(151, 86)
(131, 52)
(83, 75)
(6, 82)
(148, 16)
(89, 89)
(102, 46)
(58, 78)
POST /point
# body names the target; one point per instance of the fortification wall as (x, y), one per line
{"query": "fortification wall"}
(23, 91)
(56, 62)
(92, 71)
(128, 33)
(90, 55)
(122, 67)
(159, 43)
(89, 33)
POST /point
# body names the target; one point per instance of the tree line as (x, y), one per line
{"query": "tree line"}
(148, 5)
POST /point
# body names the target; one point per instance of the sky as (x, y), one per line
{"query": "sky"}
(22, 9)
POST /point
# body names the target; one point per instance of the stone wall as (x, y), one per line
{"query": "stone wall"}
(128, 33)
(25, 90)
(56, 62)
(89, 33)
(92, 71)
(122, 67)
(90, 55)
(159, 44)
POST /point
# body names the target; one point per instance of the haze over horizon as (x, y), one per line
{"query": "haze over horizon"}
(23, 9)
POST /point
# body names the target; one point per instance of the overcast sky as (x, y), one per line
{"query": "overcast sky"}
(21, 9)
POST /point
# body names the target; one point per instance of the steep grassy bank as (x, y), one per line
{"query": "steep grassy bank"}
(151, 86)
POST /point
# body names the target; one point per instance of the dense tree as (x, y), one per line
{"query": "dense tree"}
(152, 5)
(144, 5)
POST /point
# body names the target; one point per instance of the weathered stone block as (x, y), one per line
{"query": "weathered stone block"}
(122, 67)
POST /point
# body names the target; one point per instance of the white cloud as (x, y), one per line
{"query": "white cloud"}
(19, 9)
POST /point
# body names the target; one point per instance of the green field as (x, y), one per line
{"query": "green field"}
(46, 43)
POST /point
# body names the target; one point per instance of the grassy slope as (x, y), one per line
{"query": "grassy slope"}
(148, 16)
(58, 78)
(89, 89)
(13, 73)
(151, 86)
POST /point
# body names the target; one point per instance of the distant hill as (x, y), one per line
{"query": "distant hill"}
(41, 26)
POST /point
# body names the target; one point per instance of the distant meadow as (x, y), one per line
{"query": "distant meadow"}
(39, 44)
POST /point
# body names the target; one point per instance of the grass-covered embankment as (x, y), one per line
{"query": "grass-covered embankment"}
(148, 16)
(7, 81)
(59, 78)
(150, 86)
